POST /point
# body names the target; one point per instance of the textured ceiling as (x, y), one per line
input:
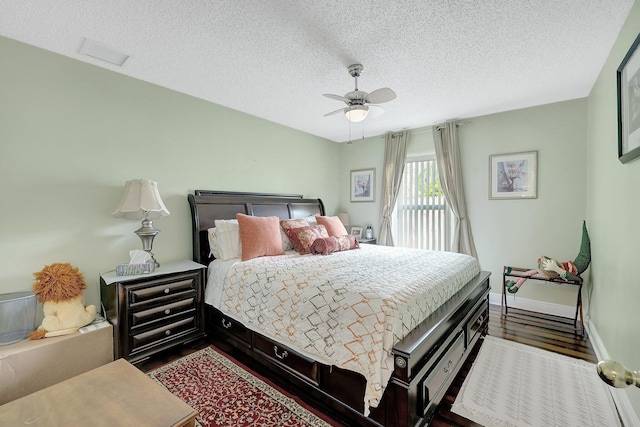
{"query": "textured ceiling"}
(274, 59)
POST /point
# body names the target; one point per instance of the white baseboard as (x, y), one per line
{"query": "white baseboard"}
(533, 305)
(626, 410)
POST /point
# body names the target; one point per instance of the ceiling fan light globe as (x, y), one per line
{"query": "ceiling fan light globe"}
(356, 114)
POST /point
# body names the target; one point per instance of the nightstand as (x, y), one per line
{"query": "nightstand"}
(373, 241)
(155, 311)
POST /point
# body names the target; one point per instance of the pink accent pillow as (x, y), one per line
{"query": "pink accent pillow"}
(327, 245)
(303, 237)
(334, 226)
(260, 236)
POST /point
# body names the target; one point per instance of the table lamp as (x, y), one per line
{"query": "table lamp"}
(141, 200)
(344, 218)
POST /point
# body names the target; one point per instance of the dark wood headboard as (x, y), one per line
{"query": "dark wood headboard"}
(207, 206)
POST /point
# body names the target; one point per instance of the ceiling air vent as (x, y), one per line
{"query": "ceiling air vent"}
(96, 50)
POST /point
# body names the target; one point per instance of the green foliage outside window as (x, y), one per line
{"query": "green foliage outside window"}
(429, 181)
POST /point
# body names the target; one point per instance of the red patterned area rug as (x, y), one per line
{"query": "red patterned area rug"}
(225, 393)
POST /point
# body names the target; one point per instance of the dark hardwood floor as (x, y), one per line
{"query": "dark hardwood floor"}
(542, 331)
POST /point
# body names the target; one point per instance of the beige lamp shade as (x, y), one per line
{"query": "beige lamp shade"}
(344, 218)
(141, 196)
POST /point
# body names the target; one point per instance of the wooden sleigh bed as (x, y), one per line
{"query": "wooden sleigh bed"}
(426, 360)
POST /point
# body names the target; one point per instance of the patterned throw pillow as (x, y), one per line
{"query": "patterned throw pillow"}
(303, 237)
(285, 226)
(288, 224)
(328, 245)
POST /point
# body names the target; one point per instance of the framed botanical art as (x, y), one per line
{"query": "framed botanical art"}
(363, 185)
(628, 79)
(513, 176)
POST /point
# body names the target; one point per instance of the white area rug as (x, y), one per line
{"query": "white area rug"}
(512, 384)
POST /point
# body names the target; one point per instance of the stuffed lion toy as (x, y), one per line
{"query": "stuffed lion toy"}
(60, 289)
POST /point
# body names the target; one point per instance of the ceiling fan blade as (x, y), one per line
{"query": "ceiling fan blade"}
(379, 96)
(334, 112)
(375, 112)
(337, 97)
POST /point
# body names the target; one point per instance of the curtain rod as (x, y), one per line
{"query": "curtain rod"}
(457, 125)
(424, 129)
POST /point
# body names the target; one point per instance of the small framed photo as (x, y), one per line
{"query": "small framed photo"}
(363, 185)
(356, 232)
(513, 176)
(628, 79)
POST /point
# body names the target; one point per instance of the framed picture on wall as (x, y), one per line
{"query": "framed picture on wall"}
(363, 185)
(628, 78)
(513, 176)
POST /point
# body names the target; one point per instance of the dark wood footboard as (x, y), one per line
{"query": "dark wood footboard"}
(426, 362)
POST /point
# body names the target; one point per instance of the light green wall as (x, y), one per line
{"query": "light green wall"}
(518, 232)
(613, 203)
(72, 133)
(506, 232)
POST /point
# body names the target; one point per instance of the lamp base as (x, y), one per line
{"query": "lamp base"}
(147, 233)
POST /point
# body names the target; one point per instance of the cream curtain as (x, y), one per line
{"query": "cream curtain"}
(445, 137)
(395, 153)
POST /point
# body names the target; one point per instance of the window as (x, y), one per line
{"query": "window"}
(421, 216)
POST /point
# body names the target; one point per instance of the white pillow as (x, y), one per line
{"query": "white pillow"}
(214, 247)
(228, 233)
(311, 219)
(286, 242)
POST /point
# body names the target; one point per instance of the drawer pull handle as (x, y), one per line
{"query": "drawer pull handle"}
(226, 324)
(448, 367)
(480, 320)
(282, 356)
(167, 332)
(167, 311)
(167, 290)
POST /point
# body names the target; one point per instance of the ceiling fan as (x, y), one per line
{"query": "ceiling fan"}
(358, 102)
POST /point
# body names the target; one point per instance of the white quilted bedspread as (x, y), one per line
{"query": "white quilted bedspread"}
(346, 309)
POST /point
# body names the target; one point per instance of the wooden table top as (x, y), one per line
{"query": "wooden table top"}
(116, 394)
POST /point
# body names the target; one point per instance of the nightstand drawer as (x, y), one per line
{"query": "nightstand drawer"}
(163, 333)
(145, 316)
(161, 289)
